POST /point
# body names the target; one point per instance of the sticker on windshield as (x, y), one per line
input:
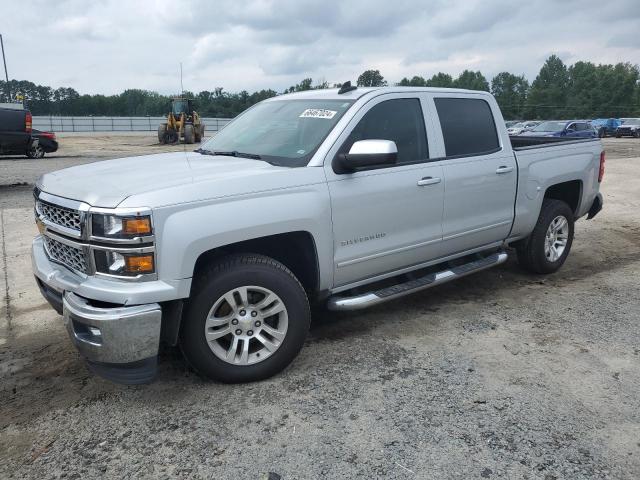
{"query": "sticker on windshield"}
(318, 113)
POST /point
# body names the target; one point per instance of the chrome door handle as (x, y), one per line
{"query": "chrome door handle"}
(504, 169)
(428, 181)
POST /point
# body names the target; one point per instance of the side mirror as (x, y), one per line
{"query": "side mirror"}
(366, 153)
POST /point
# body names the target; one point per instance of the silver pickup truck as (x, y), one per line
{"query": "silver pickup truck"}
(346, 198)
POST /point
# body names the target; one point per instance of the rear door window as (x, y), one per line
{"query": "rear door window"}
(400, 120)
(467, 126)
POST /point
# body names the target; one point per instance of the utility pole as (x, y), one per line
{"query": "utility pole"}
(181, 86)
(4, 60)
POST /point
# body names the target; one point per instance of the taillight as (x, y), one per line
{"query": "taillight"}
(27, 122)
(601, 173)
(50, 135)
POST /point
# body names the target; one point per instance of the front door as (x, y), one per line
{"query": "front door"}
(389, 218)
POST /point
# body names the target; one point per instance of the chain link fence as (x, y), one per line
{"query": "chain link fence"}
(113, 124)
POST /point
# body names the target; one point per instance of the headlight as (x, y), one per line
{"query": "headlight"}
(124, 264)
(112, 226)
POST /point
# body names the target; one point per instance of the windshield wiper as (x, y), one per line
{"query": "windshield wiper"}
(202, 151)
(233, 153)
(236, 153)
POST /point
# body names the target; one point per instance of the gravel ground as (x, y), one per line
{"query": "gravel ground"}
(499, 375)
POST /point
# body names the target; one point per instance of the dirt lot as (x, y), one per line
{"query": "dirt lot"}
(500, 375)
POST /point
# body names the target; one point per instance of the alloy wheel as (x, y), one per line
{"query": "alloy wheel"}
(246, 325)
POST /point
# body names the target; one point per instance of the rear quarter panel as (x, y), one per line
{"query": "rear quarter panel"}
(542, 167)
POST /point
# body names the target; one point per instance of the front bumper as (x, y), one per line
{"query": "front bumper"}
(120, 343)
(626, 133)
(117, 335)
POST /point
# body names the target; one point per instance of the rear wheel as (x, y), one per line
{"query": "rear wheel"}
(247, 319)
(636, 134)
(189, 134)
(547, 248)
(36, 152)
(162, 130)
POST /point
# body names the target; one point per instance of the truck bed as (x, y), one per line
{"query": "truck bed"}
(527, 142)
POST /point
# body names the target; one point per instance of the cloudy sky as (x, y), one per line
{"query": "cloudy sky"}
(106, 46)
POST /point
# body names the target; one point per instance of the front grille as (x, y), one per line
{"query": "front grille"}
(71, 257)
(62, 216)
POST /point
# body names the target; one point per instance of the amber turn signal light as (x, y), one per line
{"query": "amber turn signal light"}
(139, 263)
(136, 226)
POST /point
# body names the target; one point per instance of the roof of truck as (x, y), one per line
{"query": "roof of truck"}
(332, 93)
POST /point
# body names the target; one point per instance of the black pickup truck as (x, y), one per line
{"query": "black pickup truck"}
(16, 133)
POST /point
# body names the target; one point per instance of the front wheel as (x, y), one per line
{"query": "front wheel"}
(162, 131)
(247, 319)
(547, 248)
(189, 134)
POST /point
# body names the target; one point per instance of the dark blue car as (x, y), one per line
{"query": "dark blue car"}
(563, 128)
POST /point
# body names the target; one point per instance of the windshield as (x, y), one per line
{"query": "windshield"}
(518, 125)
(549, 127)
(179, 106)
(630, 121)
(282, 132)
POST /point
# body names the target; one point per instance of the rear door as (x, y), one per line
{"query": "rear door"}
(385, 219)
(480, 172)
(585, 130)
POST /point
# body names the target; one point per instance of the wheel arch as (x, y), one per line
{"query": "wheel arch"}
(569, 192)
(295, 250)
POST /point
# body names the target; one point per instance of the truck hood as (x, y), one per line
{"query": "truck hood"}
(109, 183)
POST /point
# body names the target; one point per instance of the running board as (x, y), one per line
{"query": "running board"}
(369, 299)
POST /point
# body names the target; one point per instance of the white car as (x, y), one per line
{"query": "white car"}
(521, 127)
(630, 128)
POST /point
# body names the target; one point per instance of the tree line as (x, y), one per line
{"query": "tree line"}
(581, 90)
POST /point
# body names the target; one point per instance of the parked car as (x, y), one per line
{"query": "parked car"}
(630, 127)
(346, 198)
(16, 132)
(511, 123)
(47, 143)
(520, 127)
(606, 126)
(563, 128)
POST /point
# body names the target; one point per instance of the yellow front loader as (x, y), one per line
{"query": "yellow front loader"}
(183, 123)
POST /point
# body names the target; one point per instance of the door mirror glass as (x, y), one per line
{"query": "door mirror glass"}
(367, 153)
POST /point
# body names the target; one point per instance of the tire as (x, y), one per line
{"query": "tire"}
(188, 134)
(618, 136)
(208, 306)
(636, 134)
(162, 130)
(171, 136)
(36, 152)
(602, 133)
(532, 252)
